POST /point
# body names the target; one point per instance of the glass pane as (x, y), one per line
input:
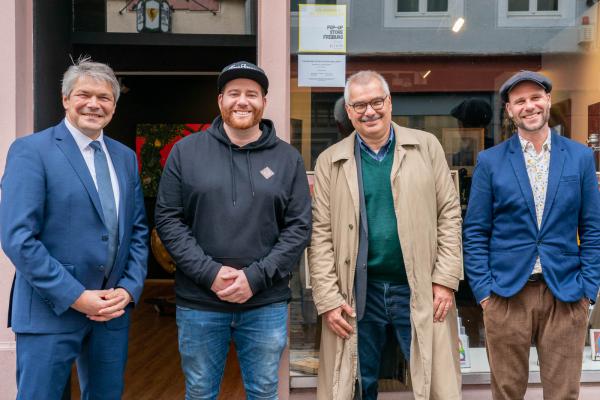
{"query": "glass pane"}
(408, 5)
(437, 5)
(547, 5)
(518, 5)
(439, 84)
(294, 3)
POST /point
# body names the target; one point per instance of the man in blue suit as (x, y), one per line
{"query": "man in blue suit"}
(72, 221)
(531, 197)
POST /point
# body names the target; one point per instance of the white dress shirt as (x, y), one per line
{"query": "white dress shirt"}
(83, 142)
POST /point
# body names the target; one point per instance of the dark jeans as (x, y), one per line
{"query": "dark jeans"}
(387, 305)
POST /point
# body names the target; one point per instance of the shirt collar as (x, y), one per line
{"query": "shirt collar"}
(526, 144)
(383, 150)
(81, 139)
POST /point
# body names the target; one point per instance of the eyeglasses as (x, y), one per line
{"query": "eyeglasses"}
(376, 104)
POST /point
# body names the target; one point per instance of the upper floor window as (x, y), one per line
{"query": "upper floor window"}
(422, 13)
(532, 6)
(536, 13)
(422, 6)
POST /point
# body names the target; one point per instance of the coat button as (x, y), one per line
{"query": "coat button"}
(345, 296)
(351, 226)
(347, 261)
(101, 267)
(105, 238)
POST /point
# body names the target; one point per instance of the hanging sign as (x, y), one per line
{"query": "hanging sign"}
(321, 28)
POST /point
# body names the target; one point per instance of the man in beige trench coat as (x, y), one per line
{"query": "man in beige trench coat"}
(385, 251)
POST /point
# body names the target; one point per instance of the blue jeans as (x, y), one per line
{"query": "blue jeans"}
(387, 304)
(259, 335)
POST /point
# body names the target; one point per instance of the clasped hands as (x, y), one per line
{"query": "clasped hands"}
(231, 285)
(102, 305)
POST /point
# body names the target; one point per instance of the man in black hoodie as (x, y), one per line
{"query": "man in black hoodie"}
(233, 210)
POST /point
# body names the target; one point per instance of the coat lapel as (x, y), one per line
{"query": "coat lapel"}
(120, 169)
(68, 146)
(345, 154)
(557, 161)
(517, 161)
(404, 137)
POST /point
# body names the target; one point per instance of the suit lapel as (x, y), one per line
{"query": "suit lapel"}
(557, 161)
(517, 161)
(68, 146)
(120, 169)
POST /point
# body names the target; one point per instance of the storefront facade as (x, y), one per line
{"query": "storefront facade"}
(431, 70)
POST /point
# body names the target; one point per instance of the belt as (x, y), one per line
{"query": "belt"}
(539, 277)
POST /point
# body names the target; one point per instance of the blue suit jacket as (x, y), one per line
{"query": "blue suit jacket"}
(501, 237)
(52, 229)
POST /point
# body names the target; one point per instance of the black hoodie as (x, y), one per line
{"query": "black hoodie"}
(246, 207)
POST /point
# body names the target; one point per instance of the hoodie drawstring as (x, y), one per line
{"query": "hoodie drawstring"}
(250, 172)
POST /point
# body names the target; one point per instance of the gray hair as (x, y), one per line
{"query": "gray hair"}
(362, 78)
(84, 66)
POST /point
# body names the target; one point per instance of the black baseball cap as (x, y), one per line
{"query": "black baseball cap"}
(243, 69)
(523, 76)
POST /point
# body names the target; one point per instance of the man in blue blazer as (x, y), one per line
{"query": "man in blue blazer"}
(531, 197)
(72, 221)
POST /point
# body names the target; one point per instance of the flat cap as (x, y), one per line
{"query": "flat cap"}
(242, 69)
(523, 76)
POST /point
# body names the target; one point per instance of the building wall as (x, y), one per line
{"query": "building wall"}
(16, 119)
(230, 19)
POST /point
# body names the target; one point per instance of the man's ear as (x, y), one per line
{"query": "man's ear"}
(507, 110)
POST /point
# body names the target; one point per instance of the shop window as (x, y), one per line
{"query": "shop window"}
(536, 13)
(422, 13)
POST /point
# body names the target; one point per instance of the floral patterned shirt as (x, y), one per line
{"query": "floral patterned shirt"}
(537, 165)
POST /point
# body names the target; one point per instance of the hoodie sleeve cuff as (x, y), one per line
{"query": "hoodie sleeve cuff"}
(255, 277)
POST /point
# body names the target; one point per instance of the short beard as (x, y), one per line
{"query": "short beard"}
(519, 123)
(228, 118)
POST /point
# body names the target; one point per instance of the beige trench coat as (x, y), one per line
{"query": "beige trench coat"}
(429, 227)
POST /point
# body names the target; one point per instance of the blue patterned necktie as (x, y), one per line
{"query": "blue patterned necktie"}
(107, 200)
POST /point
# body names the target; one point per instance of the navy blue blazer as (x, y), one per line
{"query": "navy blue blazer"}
(501, 238)
(52, 229)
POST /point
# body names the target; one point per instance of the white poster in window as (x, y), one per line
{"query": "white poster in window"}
(321, 70)
(321, 28)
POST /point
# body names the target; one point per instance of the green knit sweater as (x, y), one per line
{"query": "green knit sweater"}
(385, 262)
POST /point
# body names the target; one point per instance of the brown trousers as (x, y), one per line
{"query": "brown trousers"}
(557, 329)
